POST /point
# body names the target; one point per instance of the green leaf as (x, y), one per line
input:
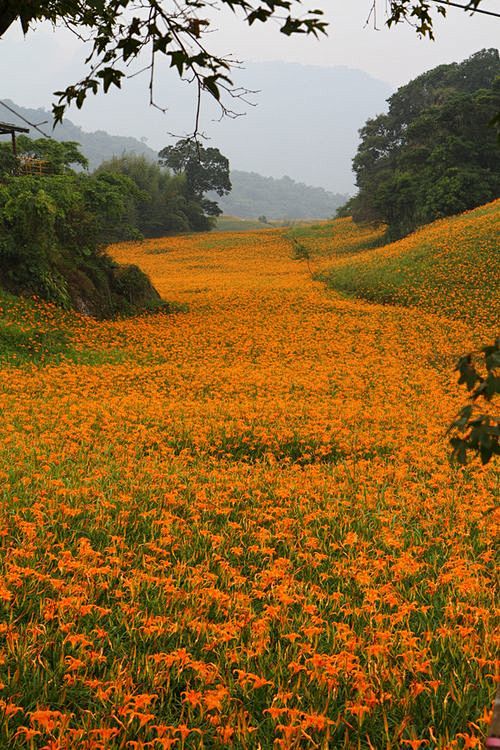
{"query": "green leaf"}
(178, 59)
(210, 84)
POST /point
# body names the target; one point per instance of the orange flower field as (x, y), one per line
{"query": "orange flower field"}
(237, 526)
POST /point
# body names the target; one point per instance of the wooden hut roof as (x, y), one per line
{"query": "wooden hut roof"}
(6, 128)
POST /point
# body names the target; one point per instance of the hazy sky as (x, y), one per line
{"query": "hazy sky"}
(31, 69)
(394, 55)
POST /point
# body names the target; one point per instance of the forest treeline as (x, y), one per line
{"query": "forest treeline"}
(55, 223)
(435, 152)
(253, 195)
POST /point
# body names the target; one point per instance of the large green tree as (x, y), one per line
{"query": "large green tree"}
(162, 204)
(433, 154)
(205, 170)
(59, 156)
(53, 229)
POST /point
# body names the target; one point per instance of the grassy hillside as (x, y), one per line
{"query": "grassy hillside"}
(227, 223)
(446, 267)
(337, 238)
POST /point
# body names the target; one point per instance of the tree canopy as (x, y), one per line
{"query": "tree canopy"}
(162, 202)
(59, 156)
(205, 170)
(121, 31)
(54, 226)
(421, 13)
(433, 154)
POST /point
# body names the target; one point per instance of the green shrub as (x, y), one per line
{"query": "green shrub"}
(51, 243)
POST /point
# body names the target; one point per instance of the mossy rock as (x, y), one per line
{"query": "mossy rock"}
(105, 289)
(133, 286)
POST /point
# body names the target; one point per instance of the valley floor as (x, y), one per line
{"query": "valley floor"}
(240, 527)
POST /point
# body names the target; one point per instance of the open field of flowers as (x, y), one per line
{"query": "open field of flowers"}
(237, 526)
(449, 267)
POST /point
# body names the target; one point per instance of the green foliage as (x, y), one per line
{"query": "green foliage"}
(345, 210)
(135, 287)
(8, 162)
(112, 199)
(161, 204)
(59, 155)
(204, 169)
(420, 14)
(52, 230)
(434, 153)
(29, 212)
(473, 431)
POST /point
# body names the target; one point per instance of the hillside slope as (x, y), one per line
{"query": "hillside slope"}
(253, 195)
(447, 267)
(97, 146)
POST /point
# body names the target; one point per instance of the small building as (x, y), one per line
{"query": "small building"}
(26, 165)
(6, 128)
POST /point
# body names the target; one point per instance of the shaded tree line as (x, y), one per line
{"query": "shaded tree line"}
(253, 195)
(55, 222)
(435, 152)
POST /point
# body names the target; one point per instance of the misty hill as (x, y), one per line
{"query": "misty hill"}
(253, 195)
(97, 146)
(304, 123)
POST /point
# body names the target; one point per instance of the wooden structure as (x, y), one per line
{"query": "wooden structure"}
(30, 165)
(6, 128)
(26, 165)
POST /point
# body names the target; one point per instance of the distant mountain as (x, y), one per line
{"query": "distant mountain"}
(253, 195)
(305, 121)
(97, 146)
